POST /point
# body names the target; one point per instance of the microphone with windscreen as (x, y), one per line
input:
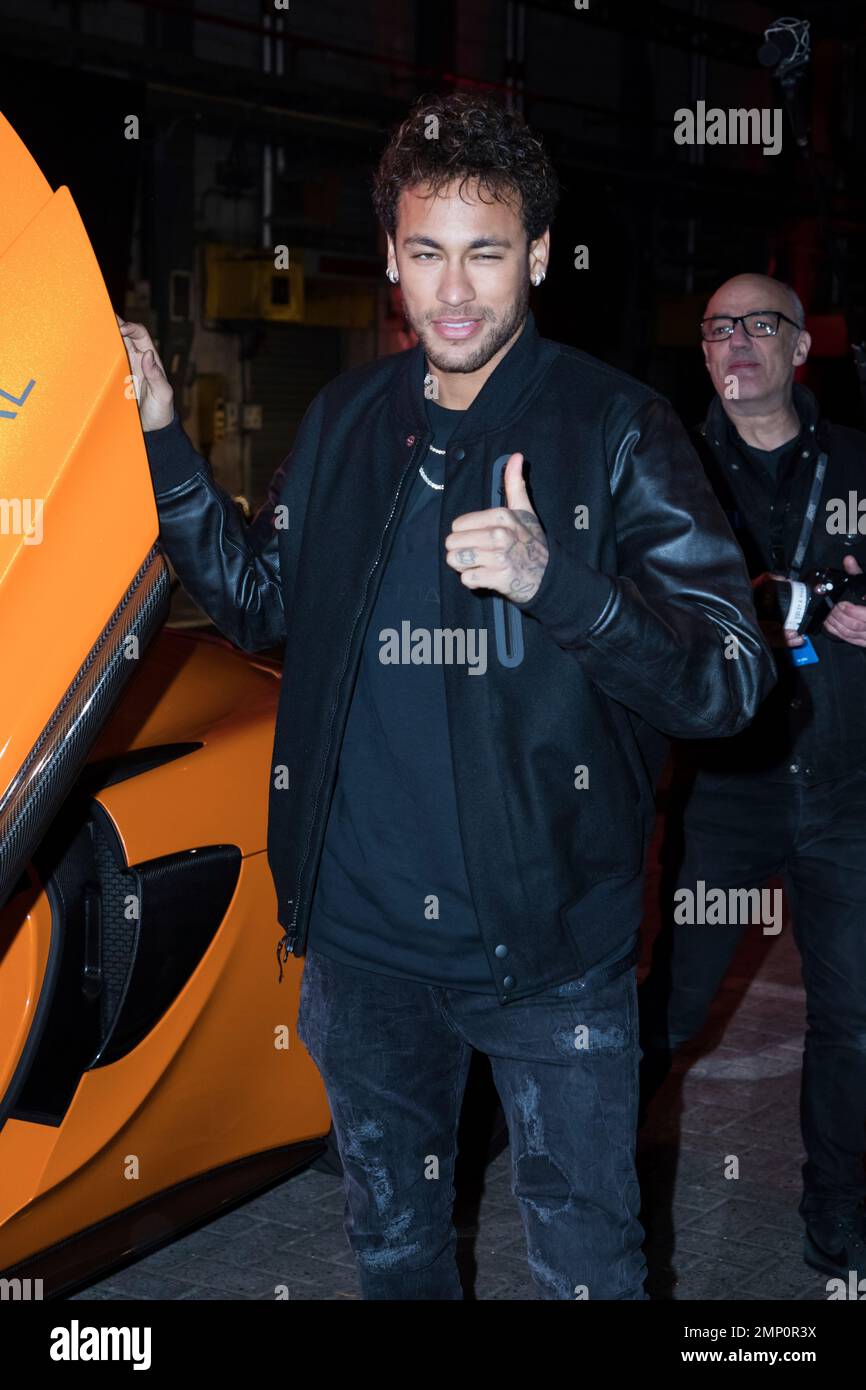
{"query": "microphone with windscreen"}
(786, 46)
(785, 51)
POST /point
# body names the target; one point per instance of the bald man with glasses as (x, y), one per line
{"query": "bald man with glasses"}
(788, 796)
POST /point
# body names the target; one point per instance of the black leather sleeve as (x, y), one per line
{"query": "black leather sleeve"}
(673, 635)
(229, 566)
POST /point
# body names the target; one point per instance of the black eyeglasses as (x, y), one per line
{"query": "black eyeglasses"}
(762, 324)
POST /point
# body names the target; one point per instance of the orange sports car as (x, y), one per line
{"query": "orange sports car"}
(150, 1073)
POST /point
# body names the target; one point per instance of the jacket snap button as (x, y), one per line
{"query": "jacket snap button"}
(501, 951)
(458, 453)
(508, 982)
(795, 767)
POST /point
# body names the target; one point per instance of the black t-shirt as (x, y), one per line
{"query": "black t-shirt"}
(771, 459)
(392, 895)
(772, 487)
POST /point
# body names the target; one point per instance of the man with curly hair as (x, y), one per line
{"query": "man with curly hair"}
(502, 572)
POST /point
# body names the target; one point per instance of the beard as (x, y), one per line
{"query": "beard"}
(494, 336)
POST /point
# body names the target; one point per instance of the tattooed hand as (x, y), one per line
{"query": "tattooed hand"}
(503, 549)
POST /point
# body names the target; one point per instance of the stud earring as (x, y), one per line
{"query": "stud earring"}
(537, 279)
(392, 276)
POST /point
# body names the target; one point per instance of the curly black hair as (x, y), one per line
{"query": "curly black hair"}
(473, 137)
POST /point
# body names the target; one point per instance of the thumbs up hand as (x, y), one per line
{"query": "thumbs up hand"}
(503, 548)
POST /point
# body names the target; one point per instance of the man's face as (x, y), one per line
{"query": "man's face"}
(464, 271)
(763, 368)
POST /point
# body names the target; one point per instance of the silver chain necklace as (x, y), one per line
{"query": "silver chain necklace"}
(438, 487)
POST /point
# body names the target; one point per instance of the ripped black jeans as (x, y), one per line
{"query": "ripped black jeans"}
(394, 1056)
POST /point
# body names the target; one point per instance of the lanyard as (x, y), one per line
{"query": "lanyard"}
(809, 518)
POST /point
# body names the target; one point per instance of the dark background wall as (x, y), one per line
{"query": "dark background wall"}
(259, 127)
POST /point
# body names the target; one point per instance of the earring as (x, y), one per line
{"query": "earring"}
(392, 276)
(537, 279)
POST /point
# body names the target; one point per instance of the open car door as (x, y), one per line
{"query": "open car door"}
(83, 587)
(141, 1013)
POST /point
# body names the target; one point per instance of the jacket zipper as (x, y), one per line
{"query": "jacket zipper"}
(291, 934)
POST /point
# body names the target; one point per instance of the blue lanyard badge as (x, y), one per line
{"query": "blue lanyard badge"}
(805, 655)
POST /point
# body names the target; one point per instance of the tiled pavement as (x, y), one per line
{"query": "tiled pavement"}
(733, 1093)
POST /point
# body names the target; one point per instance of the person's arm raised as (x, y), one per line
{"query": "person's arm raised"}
(673, 635)
(228, 566)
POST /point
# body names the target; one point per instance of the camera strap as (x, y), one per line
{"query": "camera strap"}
(809, 518)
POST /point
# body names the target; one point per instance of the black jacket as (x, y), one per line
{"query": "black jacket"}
(811, 727)
(626, 631)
